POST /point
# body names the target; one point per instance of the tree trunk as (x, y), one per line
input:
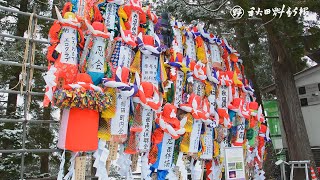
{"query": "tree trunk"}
(248, 62)
(44, 158)
(291, 114)
(44, 163)
(22, 25)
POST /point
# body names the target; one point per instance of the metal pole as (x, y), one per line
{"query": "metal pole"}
(283, 171)
(23, 92)
(29, 150)
(291, 174)
(25, 13)
(23, 38)
(13, 63)
(28, 121)
(306, 171)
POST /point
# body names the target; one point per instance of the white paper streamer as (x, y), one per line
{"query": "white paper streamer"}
(101, 156)
(145, 167)
(61, 169)
(195, 170)
(182, 167)
(68, 45)
(124, 162)
(71, 174)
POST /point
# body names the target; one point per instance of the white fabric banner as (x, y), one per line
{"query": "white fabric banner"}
(223, 97)
(191, 48)
(147, 116)
(178, 38)
(195, 136)
(135, 23)
(97, 55)
(166, 152)
(149, 69)
(240, 131)
(208, 143)
(119, 123)
(125, 56)
(178, 89)
(68, 46)
(110, 15)
(198, 88)
(215, 53)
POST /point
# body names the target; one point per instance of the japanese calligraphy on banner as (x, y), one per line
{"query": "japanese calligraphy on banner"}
(68, 43)
(223, 96)
(119, 123)
(240, 132)
(178, 38)
(150, 69)
(215, 53)
(135, 22)
(234, 163)
(145, 135)
(198, 88)
(125, 56)
(97, 55)
(80, 168)
(178, 89)
(195, 136)
(110, 15)
(113, 150)
(166, 152)
(208, 143)
(212, 99)
(191, 48)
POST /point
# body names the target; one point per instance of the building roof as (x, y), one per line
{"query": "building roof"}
(272, 87)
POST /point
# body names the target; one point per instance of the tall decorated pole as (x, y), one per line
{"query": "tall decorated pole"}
(66, 40)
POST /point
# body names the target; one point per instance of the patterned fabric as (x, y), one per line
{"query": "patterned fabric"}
(115, 55)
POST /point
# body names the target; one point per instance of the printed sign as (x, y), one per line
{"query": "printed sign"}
(166, 152)
(97, 55)
(119, 123)
(234, 163)
(195, 136)
(68, 43)
(150, 69)
(145, 135)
